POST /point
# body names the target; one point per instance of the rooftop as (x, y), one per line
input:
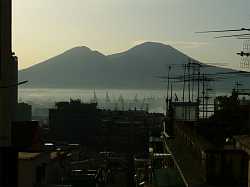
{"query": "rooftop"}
(27, 156)
(244, 140)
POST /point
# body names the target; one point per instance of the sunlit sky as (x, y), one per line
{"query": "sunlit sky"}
(45, 28)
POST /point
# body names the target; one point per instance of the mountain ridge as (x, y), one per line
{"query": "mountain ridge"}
(82, 67)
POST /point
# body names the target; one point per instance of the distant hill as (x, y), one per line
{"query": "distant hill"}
(81, 67)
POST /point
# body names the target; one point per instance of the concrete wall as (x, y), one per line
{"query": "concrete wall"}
(28, 174)
(218, 166)
(247, 150)
(227, 167)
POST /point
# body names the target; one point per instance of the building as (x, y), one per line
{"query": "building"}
(103, 130)
(128, 131)
(8, 96)
(9, 161)
(24, 112)
(210, 153)
(26, 136)
(243, 143)
(7, 71)
(185, 111)
(74, 122)
(40, 169)
(208, 145)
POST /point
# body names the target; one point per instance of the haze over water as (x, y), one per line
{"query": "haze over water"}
(44, 98)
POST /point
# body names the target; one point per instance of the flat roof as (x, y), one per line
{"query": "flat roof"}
(27, 156)
(243, 140)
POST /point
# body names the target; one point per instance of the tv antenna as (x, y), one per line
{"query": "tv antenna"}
(241, 34)
(245, 53)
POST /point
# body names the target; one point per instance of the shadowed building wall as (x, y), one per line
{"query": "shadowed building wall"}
(5, 60)
(8, 74)
(8, 98)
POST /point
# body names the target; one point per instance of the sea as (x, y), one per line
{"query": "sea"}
(153, 101)
(114, 99)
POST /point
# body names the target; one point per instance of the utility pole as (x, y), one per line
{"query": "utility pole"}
(198, 86)
(198, 92)
(189, 80)
(184, 84)
(171, 93)
(167, 99)
(203, 96)
(193, 80)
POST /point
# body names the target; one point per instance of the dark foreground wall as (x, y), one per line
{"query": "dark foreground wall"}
(8, 167)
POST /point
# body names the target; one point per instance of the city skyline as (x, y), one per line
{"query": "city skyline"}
(44, 28)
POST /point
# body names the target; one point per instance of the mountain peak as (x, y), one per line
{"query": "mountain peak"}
(152, 44)
(79, 49)
(150, 47)
(86, 68)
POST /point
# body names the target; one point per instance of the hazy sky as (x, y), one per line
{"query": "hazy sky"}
(45, 28)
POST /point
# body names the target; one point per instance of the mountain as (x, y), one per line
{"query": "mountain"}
(73, 68)
(82, 67)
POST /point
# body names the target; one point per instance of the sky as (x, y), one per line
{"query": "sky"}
(45, 28)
